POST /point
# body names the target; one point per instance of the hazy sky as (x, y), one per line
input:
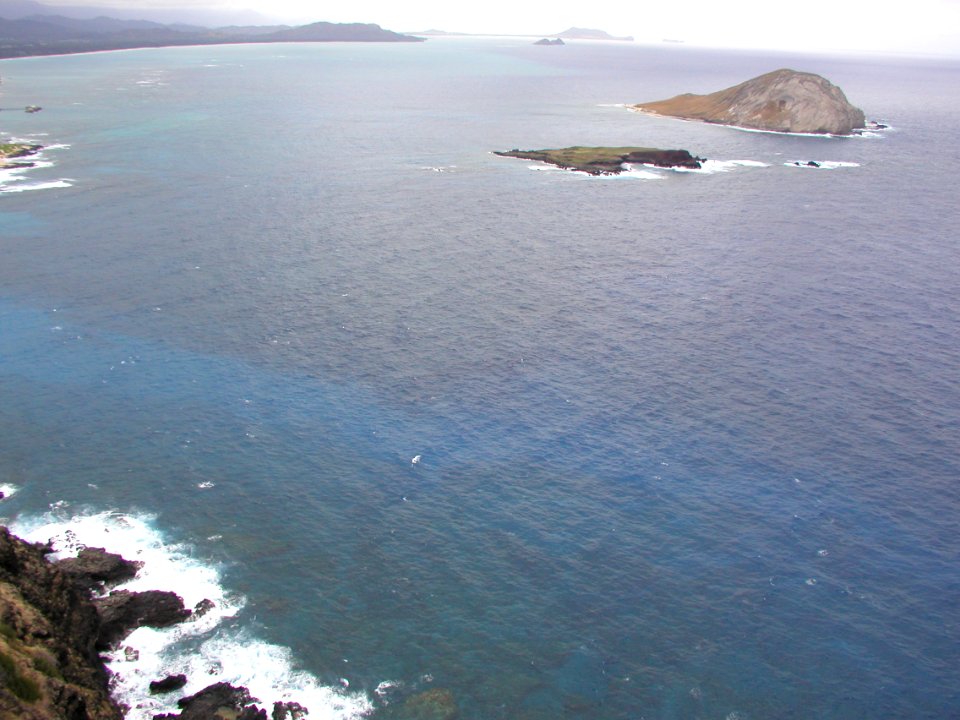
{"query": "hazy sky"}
(922, 26)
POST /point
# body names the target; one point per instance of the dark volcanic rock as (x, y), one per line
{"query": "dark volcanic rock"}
(203, 607)
(48, 631)
(96, 565)
(608, 160)
(123, 611)
(288, 711)
(219, 700)
(168, 684)
(252, 712)
(782, 101)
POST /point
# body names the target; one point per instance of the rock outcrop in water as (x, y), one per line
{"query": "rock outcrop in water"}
(782, 101)
(607, 160)
(94, 567)
(122, 612)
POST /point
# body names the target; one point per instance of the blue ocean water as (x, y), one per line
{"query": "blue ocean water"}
(686, 443)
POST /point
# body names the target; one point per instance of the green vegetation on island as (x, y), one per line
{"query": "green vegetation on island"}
(607, 160)
(9, 151)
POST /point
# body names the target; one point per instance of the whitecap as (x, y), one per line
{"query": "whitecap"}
(708, 167)
(35, 186)
(637, 172)
(8, 490)
(219, 652)
(821, 164)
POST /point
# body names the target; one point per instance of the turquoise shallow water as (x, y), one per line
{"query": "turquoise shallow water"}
(687, 445)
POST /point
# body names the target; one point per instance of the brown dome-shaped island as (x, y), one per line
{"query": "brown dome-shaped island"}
(780, 101)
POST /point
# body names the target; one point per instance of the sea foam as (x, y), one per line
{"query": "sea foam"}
(205, 648)
(822, 164)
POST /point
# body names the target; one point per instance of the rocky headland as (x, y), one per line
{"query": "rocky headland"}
(608, 160)
(57, 617)
(49, 631)
(781, 101)
(52, 630)
(11, 151)
(52, 34)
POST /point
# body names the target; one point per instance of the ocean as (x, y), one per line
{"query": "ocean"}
(416, 417)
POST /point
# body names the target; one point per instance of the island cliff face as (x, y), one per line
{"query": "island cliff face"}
(782, 101)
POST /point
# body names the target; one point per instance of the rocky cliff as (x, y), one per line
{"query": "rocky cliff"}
(782, 100)
(49, 628)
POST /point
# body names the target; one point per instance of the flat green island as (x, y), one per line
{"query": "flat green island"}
(8, 151)
(607, 160)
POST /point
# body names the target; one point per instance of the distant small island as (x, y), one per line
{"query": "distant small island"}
(548, 41)
(576, 33)
(607, 160)
(781, 101)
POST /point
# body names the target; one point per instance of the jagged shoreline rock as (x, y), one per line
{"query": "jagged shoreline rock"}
(168, 684)
(95, 567)
(11, 151)
(49, 666)
(608, 160)
(51, 629)
(122, 612)
(780, 101)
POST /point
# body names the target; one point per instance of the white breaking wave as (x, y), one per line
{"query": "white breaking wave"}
(8, 490)
(36, 186)
(710, 167)
(637, 172)
(12, 175)
(821, 164)
(218, 653)
(652, 172)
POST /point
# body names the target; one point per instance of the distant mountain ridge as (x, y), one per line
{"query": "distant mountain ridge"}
(59, 34)
(576, 33)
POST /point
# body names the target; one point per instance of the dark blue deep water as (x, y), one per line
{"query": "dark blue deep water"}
(688, 446)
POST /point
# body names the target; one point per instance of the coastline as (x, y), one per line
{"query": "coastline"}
(200, 636)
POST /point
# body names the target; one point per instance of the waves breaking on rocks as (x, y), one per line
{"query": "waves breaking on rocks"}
(208, 647)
